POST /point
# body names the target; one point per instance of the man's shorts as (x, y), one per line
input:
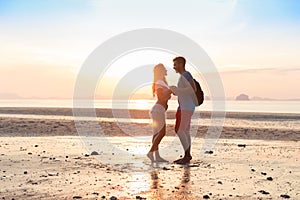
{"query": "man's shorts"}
(183, 120)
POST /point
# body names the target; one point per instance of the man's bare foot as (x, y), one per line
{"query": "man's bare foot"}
(160, 159)
(150, 156)
(176, 161)
(183, 160)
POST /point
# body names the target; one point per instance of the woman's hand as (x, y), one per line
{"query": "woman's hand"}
(169, 94)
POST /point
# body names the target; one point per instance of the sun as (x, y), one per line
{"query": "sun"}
(141, 104)
(142, 98)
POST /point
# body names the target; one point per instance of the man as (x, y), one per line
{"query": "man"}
(185, 93)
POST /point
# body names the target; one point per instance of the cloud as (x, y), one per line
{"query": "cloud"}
(252, 69)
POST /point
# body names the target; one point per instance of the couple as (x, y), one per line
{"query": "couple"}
(184, 91)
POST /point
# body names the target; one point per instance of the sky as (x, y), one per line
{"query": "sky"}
(254, 44)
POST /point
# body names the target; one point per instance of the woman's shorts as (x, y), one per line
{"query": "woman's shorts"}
(158, 117)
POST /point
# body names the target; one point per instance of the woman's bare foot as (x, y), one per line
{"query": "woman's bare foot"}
(158, 158)
(150, 156)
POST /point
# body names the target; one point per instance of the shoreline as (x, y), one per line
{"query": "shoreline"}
(140, 113)
(263, 126)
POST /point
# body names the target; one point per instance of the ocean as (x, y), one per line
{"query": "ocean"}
(230, 106)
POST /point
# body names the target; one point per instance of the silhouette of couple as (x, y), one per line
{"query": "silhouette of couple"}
(184, 91)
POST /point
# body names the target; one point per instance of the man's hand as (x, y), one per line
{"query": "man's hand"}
(173, 89)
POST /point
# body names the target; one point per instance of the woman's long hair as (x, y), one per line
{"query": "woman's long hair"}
(159, 74)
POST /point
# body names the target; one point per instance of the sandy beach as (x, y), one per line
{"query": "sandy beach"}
(42, 157)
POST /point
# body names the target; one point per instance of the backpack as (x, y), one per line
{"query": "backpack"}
(199, 94)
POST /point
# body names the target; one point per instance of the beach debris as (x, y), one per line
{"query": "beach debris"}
(209, 152)
(263, 173)
(193, 165)
(285, 196)
(53, 174)
(165, 168)
(270, 178)
(220, 182)
(242, 145)
(95, 193)
(206, 196)
(103, 197)
(140, 198)
(77, 197)
(94, 153)
(263, 192)
(32, 182)
(25, 172)
(113, 198)
(253, 170)
(23, 149)
(29, 153)
(36, 145)
(86, 155)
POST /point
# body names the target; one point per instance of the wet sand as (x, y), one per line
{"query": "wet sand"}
(256, 157)
(60, 167)
(60, 122)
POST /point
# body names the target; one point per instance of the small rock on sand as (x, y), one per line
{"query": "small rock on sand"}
(140, 198)
(285, 196)
(263, 192)
(113, 198)
(94, 153)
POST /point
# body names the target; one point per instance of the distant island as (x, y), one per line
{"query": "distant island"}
(242, 97)
(245, 97)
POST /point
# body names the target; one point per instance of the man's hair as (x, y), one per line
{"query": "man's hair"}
(180, 59)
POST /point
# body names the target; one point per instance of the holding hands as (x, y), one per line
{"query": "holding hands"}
(173, 89)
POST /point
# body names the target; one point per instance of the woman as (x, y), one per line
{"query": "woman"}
(161, 89)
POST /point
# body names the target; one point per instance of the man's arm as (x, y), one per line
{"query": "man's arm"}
(190, 89)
